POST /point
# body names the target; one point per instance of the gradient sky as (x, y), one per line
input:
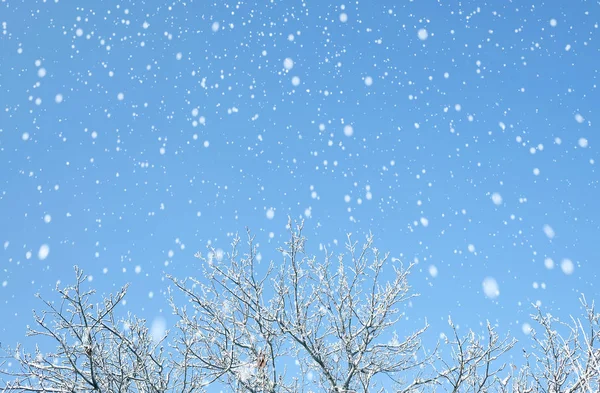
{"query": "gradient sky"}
(461, 134)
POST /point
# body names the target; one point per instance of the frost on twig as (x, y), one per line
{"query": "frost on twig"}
(94, 351)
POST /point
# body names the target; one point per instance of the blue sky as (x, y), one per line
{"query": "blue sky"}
(133, 134)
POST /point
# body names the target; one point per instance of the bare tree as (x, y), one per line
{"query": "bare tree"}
(230, 334)
(341, 312)
(305, 324)
(472, 366)
(94, 352)
(563, 358)
(335, 316)
(566, 356)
